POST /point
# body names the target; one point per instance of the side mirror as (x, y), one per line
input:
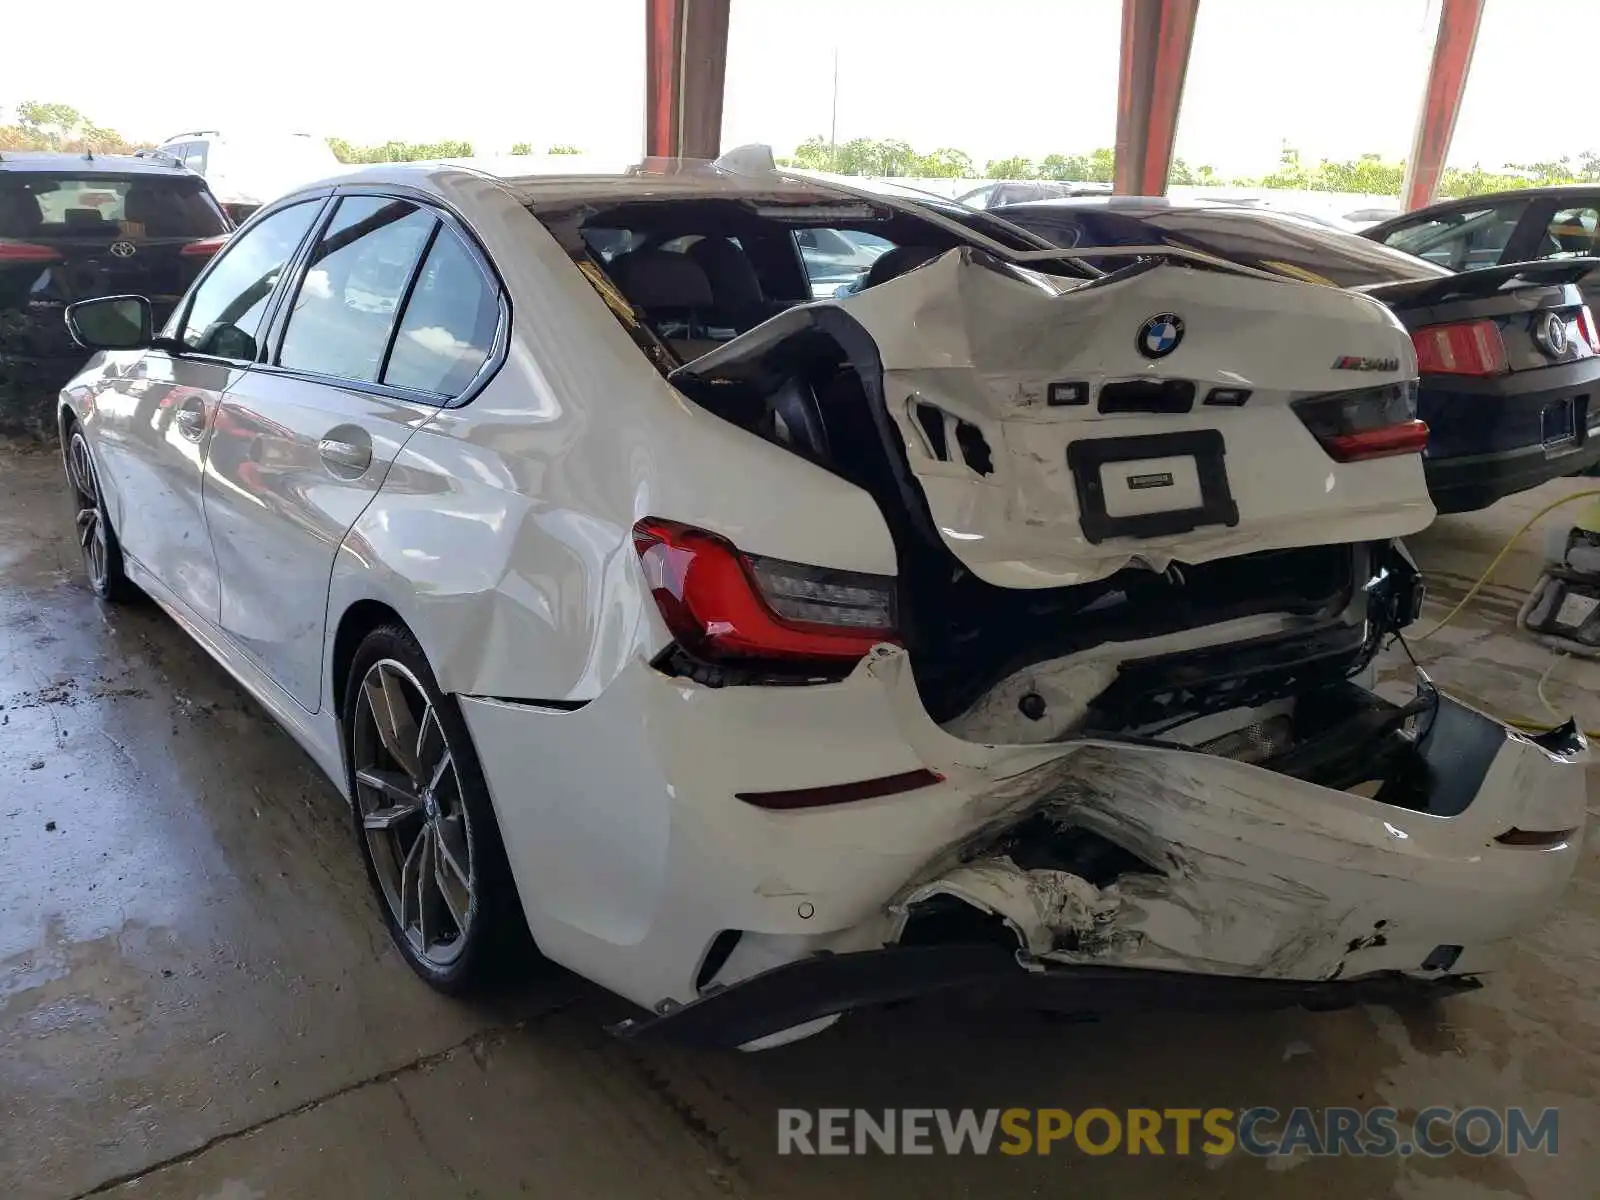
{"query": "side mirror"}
(111, 323)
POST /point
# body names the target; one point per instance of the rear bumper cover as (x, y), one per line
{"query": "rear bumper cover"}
(799, 993)
(1486, 436)
(633, 855)
(1472, 481)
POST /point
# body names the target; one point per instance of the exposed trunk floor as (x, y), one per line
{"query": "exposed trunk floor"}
(197, 998)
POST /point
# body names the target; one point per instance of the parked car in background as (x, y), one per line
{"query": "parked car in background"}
(1509, 357)
(1531, 225)
(835, 258)
(73, 227)
(1019, 191)
(768, 657)
(247, 169)
(1365, 218)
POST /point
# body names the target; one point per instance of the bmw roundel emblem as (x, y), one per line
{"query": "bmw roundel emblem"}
(1160, 335)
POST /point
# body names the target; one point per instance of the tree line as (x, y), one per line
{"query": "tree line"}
(1369, 173)
(41, 126)
(49, 126)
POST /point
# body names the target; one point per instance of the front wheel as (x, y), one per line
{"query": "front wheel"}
(424, 821)
(97, 541)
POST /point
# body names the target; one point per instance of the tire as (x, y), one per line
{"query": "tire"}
(424, 823)
(97, 540)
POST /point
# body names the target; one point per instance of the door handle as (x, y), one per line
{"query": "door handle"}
(344, 456)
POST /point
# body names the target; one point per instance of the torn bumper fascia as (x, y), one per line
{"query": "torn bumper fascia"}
(804, 997)
(1260, 874)
(1261, 877)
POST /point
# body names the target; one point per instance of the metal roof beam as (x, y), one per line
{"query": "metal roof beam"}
(1156, 39)
(1441, 101)
(686, 58)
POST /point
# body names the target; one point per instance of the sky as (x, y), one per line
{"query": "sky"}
(1333, 78)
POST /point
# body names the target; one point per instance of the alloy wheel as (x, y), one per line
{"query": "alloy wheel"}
(90, 520)
(413, 814)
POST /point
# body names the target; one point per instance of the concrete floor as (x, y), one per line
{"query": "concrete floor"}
(197, 998)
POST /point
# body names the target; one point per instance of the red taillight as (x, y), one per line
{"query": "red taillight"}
(1587, 329)
(1409, 437)
(21, 252)
(205, 247)
(1465, 348)
(1376, 422)
(720, 603)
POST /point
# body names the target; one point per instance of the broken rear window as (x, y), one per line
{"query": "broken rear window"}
(697, 272)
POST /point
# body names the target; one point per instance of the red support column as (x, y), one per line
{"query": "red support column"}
(1447, 80)
(1156, 37)
(686, 55)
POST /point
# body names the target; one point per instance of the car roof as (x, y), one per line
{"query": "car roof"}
(247, 135)
(552, 181)
(59, 162)
(1555, 190)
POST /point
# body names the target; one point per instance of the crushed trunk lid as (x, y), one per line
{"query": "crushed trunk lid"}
(1059, 430)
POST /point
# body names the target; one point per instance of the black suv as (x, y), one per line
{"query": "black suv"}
(75, 226)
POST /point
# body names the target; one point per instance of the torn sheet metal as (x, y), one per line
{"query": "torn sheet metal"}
(1256, 873)
(1068, 686)
(992, 373)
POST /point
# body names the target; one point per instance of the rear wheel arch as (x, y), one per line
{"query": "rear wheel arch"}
(357, 621)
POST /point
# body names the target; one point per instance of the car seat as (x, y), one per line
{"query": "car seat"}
(672, 292)
(83, 220)
(20, 215)
(893, 263)
(738, 302)
(142, 207)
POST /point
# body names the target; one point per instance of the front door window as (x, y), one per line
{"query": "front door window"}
(224, 316)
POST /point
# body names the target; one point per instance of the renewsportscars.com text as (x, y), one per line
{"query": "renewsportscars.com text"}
(1260, 1130)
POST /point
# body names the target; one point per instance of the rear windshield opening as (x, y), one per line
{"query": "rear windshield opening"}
(39, 207)
(697, 273)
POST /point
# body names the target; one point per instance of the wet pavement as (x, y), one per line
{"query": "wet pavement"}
(197, 998)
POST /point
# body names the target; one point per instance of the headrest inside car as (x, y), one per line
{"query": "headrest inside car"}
(659, 279)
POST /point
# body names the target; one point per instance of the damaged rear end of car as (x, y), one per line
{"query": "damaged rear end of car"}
(1146, 538)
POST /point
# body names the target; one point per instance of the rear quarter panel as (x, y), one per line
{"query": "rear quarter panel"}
(503, 532)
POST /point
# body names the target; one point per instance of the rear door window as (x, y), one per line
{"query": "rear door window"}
(350, 297)
(40, 207)
(837, 258)
(1572, 232)
(225, 312)
(1462, 239)
(448, 327)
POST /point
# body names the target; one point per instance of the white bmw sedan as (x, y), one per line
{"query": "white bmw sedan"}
(993, 628)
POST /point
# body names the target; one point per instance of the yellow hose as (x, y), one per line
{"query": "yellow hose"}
(1495, 562)
(1522, 723)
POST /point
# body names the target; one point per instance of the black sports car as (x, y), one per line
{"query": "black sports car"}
(1509, 355)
